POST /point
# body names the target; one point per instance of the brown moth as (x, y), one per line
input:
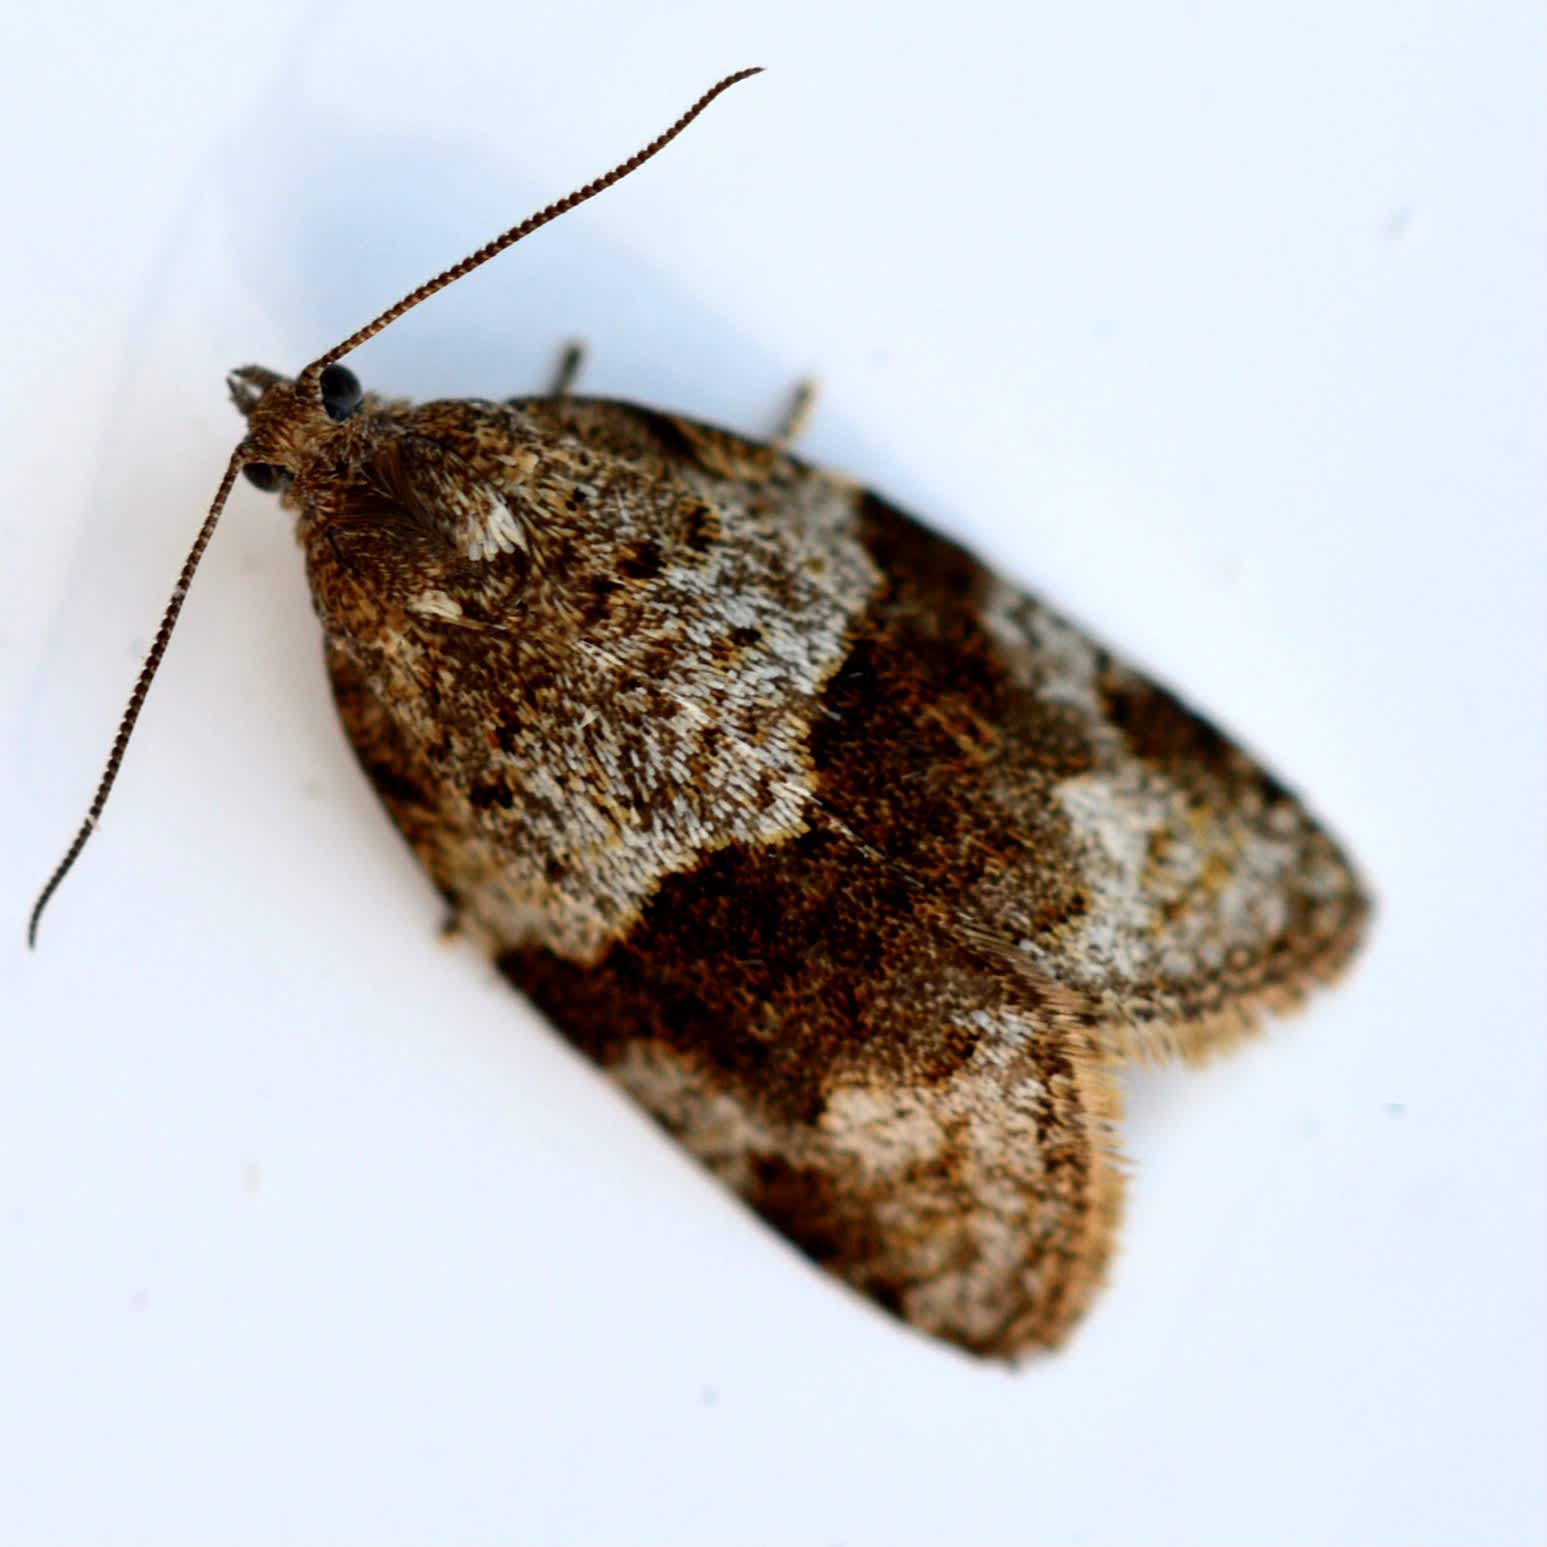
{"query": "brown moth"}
(861, 869)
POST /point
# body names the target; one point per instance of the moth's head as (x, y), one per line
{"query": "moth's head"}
(290, 422)
(294, 426)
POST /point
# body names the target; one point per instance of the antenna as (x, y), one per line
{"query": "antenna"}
(509, 238)
(131, 714)
(309, 382)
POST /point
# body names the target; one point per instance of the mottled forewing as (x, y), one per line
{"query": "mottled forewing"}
(853, 864)
(1074, 815)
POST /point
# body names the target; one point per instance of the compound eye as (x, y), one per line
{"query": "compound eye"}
(341, 394)
(265, 476)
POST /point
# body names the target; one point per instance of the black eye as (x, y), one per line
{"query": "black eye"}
(265, 476)
(341, 392)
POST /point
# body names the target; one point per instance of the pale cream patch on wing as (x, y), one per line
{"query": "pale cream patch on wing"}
(435, 603)
(1177, 887)
(966, 1225)
(479, 523)
(1220, 885)
(722, 1131)
(620, 810)
(1044, 650)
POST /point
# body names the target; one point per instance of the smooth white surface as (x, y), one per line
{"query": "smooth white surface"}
(1223, 326)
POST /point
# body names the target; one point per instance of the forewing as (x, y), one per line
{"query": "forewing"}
(887, 862)
(886, 1100)
(1079, 818)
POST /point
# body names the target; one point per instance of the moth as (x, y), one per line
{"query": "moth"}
(861, 869)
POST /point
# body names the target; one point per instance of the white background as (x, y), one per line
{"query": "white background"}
(1220, 325)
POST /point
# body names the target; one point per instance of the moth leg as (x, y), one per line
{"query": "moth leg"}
(568, 370)
(797, 415)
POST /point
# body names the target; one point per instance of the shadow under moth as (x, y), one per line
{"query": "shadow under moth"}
(861, 869)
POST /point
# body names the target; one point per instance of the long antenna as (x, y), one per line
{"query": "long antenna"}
(308, 382)
(158, 648)
(509, 238)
